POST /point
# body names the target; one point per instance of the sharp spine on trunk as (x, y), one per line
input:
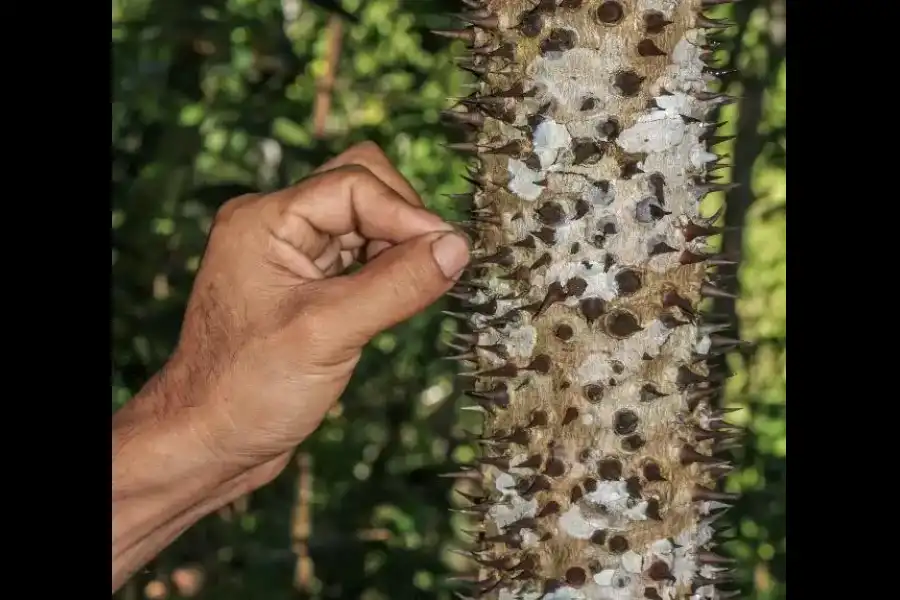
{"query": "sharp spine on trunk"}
(553, 295)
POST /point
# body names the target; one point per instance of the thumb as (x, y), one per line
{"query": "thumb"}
(399, 283)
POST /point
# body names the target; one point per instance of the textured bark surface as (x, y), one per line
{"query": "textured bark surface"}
(586, 346)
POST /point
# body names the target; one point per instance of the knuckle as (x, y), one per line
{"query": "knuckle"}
(366, 149)
(355, 172)
(227, 211)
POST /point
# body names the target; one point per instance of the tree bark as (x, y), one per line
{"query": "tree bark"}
(584, 343)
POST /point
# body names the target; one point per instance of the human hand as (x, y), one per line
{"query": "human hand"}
(273, 329)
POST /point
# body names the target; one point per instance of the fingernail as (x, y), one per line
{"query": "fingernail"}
(451, 252)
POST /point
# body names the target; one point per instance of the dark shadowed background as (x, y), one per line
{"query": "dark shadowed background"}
(214, 98)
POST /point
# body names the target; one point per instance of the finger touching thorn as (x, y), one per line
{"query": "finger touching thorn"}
(401, 282)
(451, 253)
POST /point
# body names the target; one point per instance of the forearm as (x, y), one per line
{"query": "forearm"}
(164, 480)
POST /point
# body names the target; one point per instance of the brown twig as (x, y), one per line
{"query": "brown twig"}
(302, 525)
(326, 81)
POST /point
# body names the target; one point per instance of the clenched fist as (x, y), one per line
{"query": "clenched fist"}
(272, 332)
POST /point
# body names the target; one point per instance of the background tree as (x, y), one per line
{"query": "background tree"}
(213, 98)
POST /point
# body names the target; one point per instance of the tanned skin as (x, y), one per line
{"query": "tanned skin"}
(271, 335)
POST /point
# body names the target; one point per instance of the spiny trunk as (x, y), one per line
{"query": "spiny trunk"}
(585, 343)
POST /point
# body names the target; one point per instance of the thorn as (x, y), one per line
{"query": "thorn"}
(466, 356)
(700, 581)
(718, 73)
(672, 299)
(715, 97)
(467, 34)
(720, 341)
(472, 474)
(692, 231)
(479, 19)
(689, 456)
(707, 23)
(511, 539)
(497, 397)
(702, 494)
(719, 471)
(719, 139)
(475, 119)
(709, 291)
(706, 188)
(495, 461)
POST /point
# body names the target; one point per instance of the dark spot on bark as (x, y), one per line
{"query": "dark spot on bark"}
(633, 486)
(628, 281)
(610, 128)
(541, 364)
(586, 151)
(599, 537)
(610, 469)
(622, 324)
(610, 13)
(593, 392)
(582, 207)
(648, 210)
(546, 235)
(589, 103)
(551, 213)
(654, 22)
(559, 40)
(625, 422)
(576, 576)
(592, 309)
(628, 83)
(633, 443)
(555, 467)
(653, 509)
(648, 48)
(652, 472)
(564, 332)
(659, 571)
(658, 183)
(532, 24)
(570, 416)
(576, 494)
(608, 261)
(618, 544)
(576, 286)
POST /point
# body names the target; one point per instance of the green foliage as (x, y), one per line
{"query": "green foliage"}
(215, 98)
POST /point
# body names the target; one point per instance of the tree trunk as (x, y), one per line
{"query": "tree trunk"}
(585, 344)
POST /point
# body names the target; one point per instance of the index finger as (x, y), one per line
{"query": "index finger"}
(372, 157)
(353, 204)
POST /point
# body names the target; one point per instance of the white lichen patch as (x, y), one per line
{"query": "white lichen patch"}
(523, 181)
(550, 139)
(520, 341)
(580, 525)
(617, 584)
(666, 7)
(515, 508)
